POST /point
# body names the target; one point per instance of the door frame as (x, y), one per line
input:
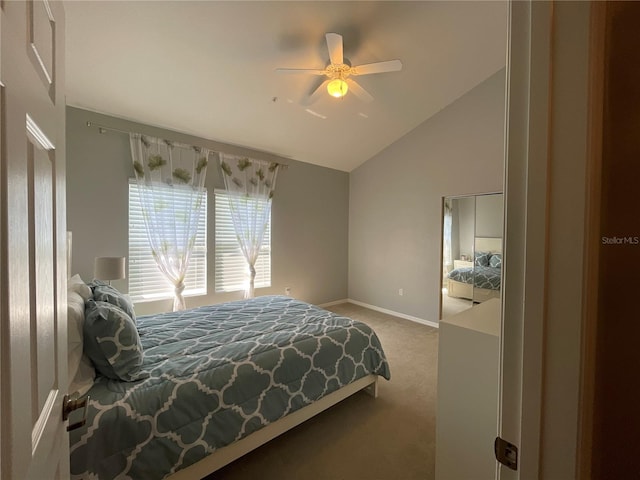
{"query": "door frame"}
(553, 130)
(525, 244)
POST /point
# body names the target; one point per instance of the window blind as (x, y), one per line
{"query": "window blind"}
(232, 271)
(146, 282)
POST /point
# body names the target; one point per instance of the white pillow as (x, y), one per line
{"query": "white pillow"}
(84, 378)
(80, 370)
(75, 284)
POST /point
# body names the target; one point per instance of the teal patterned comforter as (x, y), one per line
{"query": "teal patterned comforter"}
(481, 277)
(217, 374)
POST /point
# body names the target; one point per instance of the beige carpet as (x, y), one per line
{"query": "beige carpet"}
(391, 437)
(452, 305)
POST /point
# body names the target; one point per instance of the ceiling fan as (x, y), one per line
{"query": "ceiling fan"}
(339, 74)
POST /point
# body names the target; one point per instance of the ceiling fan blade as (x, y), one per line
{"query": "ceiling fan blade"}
(334, 43)
(316, 94)
(378, 67)
(358, 91)
(311, 71)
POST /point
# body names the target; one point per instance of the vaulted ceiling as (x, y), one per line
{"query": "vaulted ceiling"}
(207, 68)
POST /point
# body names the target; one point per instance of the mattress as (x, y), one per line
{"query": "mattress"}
(481, 277)
(217, 374)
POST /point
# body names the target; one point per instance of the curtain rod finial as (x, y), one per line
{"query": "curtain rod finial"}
(100, 129)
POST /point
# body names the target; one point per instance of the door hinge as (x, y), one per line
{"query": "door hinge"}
(506, 453)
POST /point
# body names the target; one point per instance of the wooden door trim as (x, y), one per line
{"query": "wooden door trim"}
(597, 64)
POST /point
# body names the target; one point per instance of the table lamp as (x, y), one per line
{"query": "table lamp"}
(109, 268)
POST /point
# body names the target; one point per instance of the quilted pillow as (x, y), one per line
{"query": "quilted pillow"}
(482, 259)
(104, 292)
(112, 342)
(496, 260)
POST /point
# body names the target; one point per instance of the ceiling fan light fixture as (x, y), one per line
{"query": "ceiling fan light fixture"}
(337, 88)
(339, 71)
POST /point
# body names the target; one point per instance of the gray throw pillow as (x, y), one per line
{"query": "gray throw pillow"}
(106, 293)
(481, 259)
(112, 342)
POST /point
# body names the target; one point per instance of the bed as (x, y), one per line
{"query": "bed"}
(482, 281)
(215, 382)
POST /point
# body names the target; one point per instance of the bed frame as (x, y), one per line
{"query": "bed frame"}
(228, 454)
(466, 290)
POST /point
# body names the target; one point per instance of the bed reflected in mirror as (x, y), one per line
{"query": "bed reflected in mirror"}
(472, 228)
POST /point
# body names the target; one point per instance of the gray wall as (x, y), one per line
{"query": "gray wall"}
(455, 231)
(466, 225)
(395, 200)
(489, 216)
(309, 213)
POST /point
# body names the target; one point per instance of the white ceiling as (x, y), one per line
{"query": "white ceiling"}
(207, 68)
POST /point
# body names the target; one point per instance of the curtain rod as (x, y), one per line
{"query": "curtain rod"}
(104, 129)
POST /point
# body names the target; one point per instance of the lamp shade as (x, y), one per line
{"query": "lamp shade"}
(109, 268)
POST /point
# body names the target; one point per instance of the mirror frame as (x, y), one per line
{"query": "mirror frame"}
(488, 243)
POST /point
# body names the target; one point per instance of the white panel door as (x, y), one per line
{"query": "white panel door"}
(33, 242)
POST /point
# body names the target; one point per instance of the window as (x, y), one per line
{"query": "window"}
(146, 282)
(232, 271)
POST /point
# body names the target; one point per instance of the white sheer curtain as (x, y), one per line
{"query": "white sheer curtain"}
(447, 260)
(250, 184)
(161, 168)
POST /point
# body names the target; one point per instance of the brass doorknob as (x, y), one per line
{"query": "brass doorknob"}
(71, 403)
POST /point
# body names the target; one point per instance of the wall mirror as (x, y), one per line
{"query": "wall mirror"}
(472, 228)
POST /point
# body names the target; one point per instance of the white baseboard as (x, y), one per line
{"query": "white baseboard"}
(395, 314)
(331, 304)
